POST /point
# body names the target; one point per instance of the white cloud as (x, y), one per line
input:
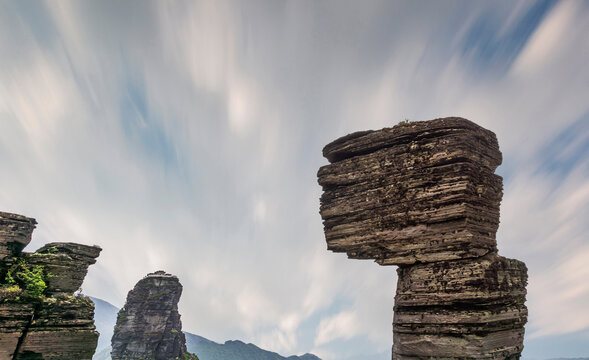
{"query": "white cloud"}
(340, 326)
(544, 223)
(549, 39)
(281, 341)
(238, 104)
(242, 106)
(565, 309)
(260, 210)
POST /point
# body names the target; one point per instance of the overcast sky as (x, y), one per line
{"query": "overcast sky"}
(186, 136)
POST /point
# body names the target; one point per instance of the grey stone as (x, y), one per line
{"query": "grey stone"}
(149, 326)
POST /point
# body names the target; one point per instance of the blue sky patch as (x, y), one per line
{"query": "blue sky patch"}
(488, 50)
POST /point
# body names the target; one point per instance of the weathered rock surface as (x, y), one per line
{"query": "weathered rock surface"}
(417, 192)
(464, 308)
(39, 316)
(149, 326)
(63, 328)
(66, 265)
(14, 320)
(424, 196)
(15, 233)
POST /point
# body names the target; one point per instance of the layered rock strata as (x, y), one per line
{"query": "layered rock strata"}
(39, 316)
(149, 326)
(62, 328)
(66, 265)
(424, 196)
(15, 233)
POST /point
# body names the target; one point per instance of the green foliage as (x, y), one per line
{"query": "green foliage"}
(120, 318)
(174, 331)
(403, 122)
(52, 250)
(27, 277)
(10, 292)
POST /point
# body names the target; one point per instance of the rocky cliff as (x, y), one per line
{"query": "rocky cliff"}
(149, 326)
(424, 196)
(39, 316)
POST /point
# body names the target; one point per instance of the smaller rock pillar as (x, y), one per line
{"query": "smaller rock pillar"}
(149, 326)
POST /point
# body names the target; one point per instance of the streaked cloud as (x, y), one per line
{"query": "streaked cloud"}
(187, 135)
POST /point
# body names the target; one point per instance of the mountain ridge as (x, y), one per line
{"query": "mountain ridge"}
(105, 318)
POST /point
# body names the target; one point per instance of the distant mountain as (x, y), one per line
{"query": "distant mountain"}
(105, 318)
(233, 350)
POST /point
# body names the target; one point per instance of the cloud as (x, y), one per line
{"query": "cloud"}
(342, 325)
(548, 39)
(544, 224)
(187, 136)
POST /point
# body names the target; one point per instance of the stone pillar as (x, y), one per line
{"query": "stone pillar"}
(424, 196)
(149, 326)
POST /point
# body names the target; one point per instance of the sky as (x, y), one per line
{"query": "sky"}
(186, 136)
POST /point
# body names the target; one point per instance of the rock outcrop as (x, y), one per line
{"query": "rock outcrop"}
(39, 316)
(15, 233)
(424, 196)
(149, 326)
(66, 265)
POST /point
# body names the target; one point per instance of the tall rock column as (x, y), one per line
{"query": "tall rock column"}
(424, 196)
(149, 326)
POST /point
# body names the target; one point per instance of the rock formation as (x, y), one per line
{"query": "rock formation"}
(39, 316)
(149, 326)
(15, 233)
(424, 196)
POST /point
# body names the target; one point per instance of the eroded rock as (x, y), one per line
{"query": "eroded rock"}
(418, 192)
(149, 326)
(66, 265)
(424, 196)
(63, 328)
(471, 308)
(15, 233)
(39, 316)
(14, 320)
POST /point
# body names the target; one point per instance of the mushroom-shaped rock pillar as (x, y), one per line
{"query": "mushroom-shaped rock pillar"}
(424, 196)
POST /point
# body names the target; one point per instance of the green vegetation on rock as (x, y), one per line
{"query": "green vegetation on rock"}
(188, 356)
(23, 279)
